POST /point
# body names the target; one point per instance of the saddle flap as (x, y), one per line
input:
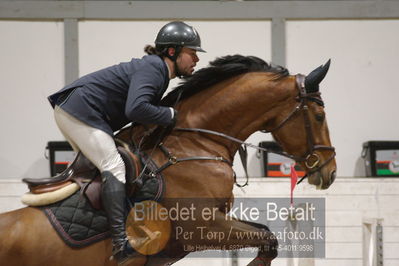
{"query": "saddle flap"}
(93, 192)
(133, 169)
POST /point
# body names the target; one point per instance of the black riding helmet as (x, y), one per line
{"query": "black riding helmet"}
(177, 34)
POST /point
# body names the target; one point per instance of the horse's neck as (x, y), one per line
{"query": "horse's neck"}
(237, 107)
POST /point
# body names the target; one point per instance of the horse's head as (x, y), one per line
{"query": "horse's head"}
(302, 129)
(246, 95)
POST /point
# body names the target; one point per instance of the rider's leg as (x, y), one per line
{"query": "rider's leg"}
(59, 118)
(100, 149)
(114, 200)
(95, 144)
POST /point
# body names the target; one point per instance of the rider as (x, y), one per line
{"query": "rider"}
(89, 110)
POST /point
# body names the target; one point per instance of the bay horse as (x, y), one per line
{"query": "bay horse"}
(218, 107)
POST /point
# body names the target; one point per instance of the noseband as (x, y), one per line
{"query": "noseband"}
(311, 158)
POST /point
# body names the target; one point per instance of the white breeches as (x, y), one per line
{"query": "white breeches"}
(95, 144)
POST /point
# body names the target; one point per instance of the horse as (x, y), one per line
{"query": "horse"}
(218, 107)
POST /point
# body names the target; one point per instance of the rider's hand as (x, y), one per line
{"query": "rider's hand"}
(174, 118)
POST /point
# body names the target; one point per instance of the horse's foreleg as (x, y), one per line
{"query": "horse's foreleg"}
(259, 261)
(229, 234)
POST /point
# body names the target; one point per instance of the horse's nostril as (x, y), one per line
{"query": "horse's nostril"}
(333, 175)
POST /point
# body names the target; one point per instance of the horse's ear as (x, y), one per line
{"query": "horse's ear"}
(314, 78)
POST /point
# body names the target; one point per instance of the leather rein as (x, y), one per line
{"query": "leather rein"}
(311, 159)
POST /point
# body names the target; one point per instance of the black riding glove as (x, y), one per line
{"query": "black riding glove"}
(174, 119)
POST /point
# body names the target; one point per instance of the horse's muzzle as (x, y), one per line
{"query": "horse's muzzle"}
(322, 179)
(333, 175)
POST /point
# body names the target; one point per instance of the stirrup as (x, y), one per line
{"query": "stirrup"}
(140, 242)
(124, 254)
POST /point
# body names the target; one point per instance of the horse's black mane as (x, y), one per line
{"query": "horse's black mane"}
(220, 69)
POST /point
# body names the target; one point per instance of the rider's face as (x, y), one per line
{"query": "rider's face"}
(186, 61)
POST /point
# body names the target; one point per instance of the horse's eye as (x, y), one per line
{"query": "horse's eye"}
(320, 117)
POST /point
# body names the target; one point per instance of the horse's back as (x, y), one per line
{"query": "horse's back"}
(27, 238)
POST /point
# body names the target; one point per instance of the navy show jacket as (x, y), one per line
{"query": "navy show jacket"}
(110, 98)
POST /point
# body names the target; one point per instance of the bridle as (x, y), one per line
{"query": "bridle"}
(310, 159)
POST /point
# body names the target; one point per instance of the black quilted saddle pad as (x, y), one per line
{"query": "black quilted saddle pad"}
(76, 222)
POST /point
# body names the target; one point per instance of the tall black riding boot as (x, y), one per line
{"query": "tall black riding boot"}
(113, 196)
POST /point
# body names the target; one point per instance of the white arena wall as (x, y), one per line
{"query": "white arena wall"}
(360, 91)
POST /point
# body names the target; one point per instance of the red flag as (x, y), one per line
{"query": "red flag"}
(294, 179)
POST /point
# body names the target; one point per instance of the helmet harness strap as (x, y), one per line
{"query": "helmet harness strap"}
(174, 57)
